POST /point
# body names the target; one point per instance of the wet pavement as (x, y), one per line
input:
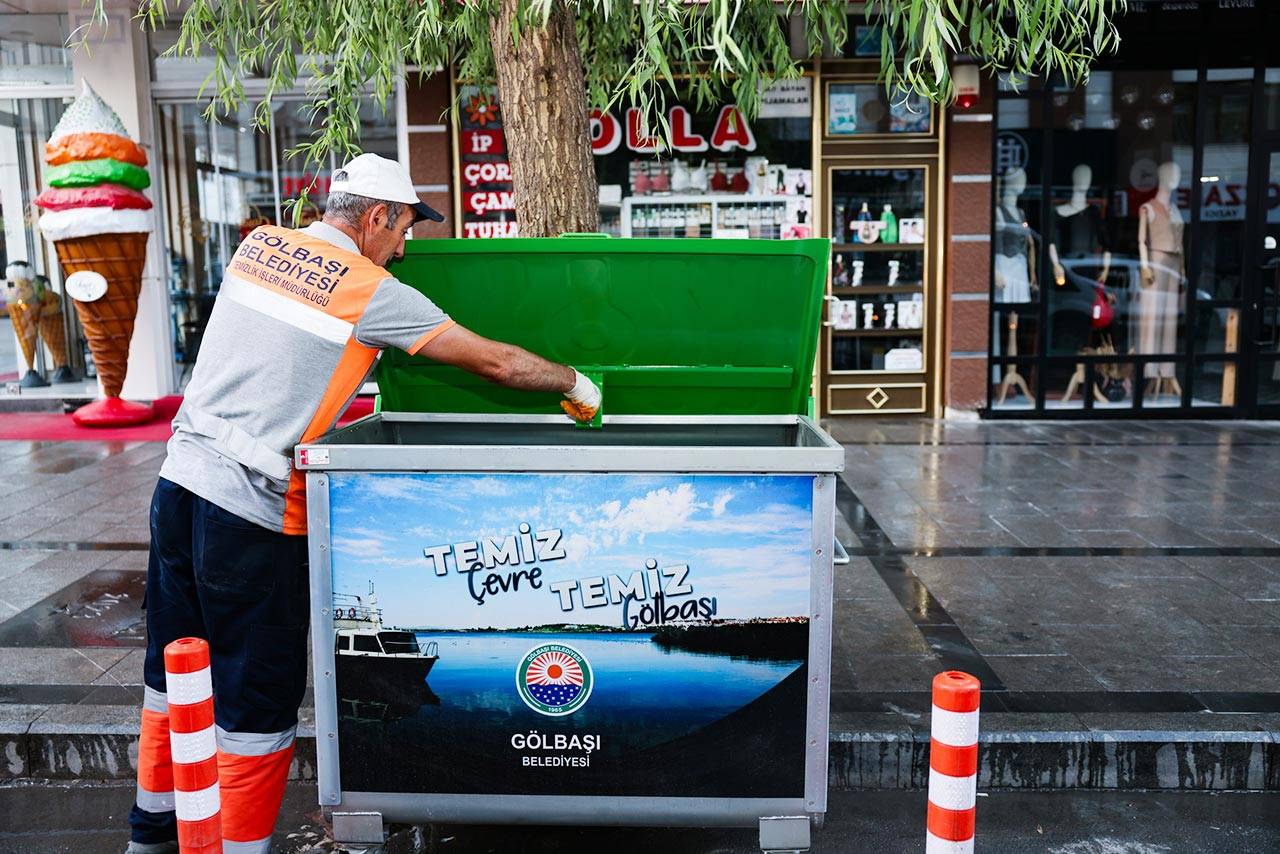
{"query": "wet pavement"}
(1075, 560)
(1116, 586)
(33, 820)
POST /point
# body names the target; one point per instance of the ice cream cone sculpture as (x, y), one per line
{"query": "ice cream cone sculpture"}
(26, 325)
(99, 222)
(22, 298)
(54, 334)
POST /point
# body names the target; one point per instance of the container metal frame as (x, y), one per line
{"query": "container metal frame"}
(813, 453)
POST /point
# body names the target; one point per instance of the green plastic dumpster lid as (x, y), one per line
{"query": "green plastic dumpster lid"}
(671, 327)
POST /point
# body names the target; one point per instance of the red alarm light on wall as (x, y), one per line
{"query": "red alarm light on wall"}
(968, 85)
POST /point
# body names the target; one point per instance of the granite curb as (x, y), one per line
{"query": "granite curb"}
(1099, 752)
(867, 752)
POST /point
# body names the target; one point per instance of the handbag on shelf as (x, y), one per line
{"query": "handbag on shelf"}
(1103, 312)
(1112, 388)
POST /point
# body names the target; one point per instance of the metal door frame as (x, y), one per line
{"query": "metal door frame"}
(1251, 357)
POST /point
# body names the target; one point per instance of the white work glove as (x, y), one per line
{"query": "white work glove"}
(583, 400)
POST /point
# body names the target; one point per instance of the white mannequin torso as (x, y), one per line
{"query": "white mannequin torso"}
(1078, 203)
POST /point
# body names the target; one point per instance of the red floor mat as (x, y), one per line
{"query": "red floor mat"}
(51, 427)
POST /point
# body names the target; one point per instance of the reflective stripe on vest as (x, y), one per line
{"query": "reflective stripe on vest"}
(301, 316)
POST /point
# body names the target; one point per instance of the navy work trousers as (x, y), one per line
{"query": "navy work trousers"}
(244, 589)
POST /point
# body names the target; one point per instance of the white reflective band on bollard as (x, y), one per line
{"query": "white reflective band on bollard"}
(958, 729)
(196, 806)
(953, 763)
(192, 747)
(187, 688)
(953, 793)
(934, 845)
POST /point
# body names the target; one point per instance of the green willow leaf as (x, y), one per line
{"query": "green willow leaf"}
(644, 54)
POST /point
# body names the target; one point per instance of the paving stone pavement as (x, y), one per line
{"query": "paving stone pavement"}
(1116, 586)
(34, 820)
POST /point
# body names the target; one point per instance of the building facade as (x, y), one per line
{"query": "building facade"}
(1044, 250)
(1133, 229)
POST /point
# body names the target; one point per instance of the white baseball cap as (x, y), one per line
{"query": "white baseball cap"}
(378, 178)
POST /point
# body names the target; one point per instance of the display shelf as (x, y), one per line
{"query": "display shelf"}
(867, 370)
(855, 290)
(714, 212)
(877, 247)
(703, 198)
(668, 233)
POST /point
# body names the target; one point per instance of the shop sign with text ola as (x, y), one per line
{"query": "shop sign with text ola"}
(573, 634)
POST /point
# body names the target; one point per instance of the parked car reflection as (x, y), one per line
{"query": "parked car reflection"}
(1071, 308)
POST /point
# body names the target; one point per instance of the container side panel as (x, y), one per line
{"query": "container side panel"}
(576, 634)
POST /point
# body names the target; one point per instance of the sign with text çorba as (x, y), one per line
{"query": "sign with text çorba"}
(574, 634)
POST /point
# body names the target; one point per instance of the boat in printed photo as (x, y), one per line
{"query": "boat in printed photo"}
(377, 662)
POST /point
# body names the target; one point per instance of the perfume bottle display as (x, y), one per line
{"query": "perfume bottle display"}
(889, 229)
(858, 233)
(839, 273)
(856, 279)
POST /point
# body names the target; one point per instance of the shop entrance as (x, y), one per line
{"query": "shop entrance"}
(1263, 299)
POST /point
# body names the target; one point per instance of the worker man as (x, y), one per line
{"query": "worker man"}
(298, 324)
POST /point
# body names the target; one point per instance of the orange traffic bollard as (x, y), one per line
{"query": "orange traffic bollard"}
(189, 686)
(953, 763)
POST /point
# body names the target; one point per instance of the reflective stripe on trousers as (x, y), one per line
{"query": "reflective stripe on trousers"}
(252, 771)
(155, 765)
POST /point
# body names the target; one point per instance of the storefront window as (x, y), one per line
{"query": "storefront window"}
(1090, 229)
(1224, 183)
(294, 126)
(727, 177)
(33, 50)
(878, 269)
(221, 179)
(724, 176)
(216, 180)
(1134, 253)
(33, 341)
(866, 109)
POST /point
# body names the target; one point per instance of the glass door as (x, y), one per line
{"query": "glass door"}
(877, 326)
(1265, 299)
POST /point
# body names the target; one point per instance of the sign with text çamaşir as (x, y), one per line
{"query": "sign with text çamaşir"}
(576, 634)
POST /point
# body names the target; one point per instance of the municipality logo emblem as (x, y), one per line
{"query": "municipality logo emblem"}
(554, 679)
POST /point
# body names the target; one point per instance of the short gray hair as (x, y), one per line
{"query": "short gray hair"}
(349, 207)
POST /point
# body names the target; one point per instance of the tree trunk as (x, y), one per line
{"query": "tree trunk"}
(544, 114)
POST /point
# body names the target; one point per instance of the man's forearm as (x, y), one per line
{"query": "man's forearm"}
(530, 372)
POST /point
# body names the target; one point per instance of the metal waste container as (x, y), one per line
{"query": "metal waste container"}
(518, 620)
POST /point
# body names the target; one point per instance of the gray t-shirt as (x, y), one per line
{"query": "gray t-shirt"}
(297, 327)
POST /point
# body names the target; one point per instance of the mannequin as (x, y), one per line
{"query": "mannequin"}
(1015, 266)
(1162, 267)
(1011, 376)
(1079, 232)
